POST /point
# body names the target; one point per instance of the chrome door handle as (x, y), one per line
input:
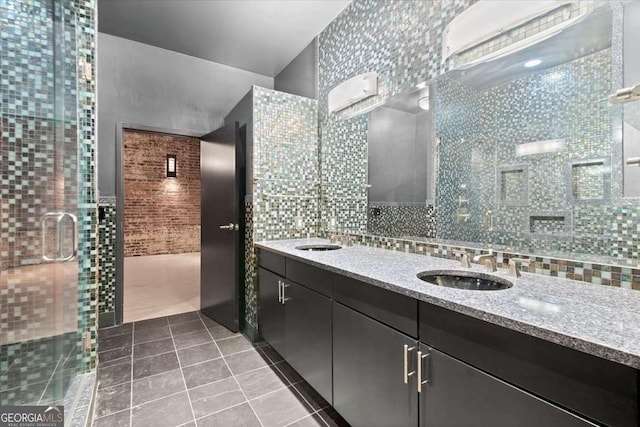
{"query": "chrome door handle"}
(284, 298)
(59, 216)
(74, 238)
(406, 372)
(280, 291)
(229, 227)
(43, 230)
(421, 357)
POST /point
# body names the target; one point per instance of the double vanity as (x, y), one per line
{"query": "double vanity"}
(397, 339)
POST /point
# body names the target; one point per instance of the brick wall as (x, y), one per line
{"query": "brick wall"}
(161, 215)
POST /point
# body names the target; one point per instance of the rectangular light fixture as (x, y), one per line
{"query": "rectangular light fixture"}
(352, 91)
(171, 166)
(540, 147)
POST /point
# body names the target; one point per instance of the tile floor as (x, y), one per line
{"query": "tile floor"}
(161, 285)
(187, 370)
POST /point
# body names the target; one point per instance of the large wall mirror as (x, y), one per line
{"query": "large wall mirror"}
(522, 151)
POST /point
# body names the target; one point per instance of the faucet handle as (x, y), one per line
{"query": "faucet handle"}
(513, 265)
(464, 261)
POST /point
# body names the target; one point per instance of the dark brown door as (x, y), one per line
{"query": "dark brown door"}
(222, 197)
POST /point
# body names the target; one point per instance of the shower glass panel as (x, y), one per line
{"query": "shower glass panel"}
(39, 348)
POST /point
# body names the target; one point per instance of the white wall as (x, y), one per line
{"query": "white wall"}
(146, 85)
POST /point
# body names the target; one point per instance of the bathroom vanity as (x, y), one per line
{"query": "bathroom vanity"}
(387, 349)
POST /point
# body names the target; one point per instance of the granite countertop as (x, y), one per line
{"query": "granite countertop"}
(596, 319)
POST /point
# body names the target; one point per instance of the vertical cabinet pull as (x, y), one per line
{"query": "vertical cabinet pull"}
(284, 297)
(406, 372)
(421, 357)
(280, 291)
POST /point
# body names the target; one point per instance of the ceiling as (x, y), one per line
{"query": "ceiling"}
(262, 36)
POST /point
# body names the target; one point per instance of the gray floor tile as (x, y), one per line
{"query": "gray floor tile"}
(127, 328)
(220, 332)
(191, 424)
(119, 419)
(246, 361)
(151, 334)
(114, 342)
(168, 411)
(194, 338)
(150, 324)
(237, 416)
(186, 327)
(280, 407)
(234, 345)
(115, 374)
(215, 397)
(111, 355)
(153, 348)
(261, 381)
(113, 361)
(154, 365)
(208, 322)
(311, 421)
(199, 353)
(183, 317)
(205, 372)
(157, 386)
(113, 399)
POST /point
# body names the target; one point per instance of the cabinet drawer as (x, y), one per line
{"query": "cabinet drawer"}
(604, 391)
(271, 261)
(398, 311)
(307, 275)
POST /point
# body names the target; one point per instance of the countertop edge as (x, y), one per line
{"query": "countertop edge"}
(560, 338)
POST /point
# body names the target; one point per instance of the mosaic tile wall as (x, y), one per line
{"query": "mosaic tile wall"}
(559, 202)
(402, 41)
(285, 175)
(48, 94)
(402, 220)
(107, 261)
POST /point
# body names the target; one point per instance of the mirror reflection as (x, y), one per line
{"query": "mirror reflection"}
(515, 148)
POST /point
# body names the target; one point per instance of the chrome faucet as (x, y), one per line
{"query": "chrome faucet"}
(464, 260)
(513, 266)
(489, 261)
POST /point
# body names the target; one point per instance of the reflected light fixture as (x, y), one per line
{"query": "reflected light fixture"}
(423, 103)
(532, 63)
(171, 165)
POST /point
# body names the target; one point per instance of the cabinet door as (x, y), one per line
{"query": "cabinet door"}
(456, 395)
(308, 332)
(271, 310)
(368, 372)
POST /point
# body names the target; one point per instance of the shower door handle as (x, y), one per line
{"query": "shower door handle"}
(59, 218)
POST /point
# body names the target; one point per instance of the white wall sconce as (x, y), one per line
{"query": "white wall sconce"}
(352, 91)
(172, 166)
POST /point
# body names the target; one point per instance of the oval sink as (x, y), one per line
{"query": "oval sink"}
(472, 281)
(318, 247)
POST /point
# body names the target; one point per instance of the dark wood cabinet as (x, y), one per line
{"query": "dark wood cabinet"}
(366, 349)
(308, 336)
(271, 315)
(368, 372)
(296, 322)
(456, 394)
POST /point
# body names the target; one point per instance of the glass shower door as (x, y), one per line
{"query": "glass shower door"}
(38, 202)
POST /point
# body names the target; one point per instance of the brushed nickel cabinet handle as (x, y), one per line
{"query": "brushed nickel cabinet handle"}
(280, 291)
(406, 372)
(421, 357)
